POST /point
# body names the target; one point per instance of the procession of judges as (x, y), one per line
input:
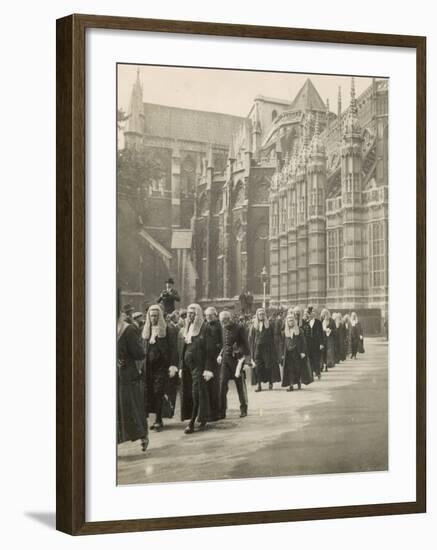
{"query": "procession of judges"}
(196, 353)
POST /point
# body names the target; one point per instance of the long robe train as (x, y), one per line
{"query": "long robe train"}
(131, 415)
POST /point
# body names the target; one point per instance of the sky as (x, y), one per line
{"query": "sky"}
(226, 91)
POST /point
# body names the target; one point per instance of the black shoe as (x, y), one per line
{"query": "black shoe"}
(243, 413)
(259, 389)
(202, 426)
(157, 426)
(290, 388)
(144, 444)
(189, 429)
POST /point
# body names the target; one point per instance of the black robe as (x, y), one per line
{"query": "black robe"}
(214, 344)
(347, 338)
(160, 388)
(357, 343)
(297, 369)
(194, 386)
(263, 352)
(131, 413)
(278, 336)
(340, 337)
(314, 339)
(329, 344)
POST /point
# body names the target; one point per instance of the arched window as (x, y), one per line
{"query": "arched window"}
(274, 114)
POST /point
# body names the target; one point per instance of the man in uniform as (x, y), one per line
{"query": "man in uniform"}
(235, 347)
(168, 297)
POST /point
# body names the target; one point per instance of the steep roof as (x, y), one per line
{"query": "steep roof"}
(189, 124)
(272, 100)
(308, 98)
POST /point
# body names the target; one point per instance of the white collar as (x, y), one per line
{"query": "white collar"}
(154, 334)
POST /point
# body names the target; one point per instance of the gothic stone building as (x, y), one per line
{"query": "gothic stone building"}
(292, 187)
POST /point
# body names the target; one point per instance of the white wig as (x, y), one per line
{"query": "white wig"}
(256, 320)
(198, 321)
(162, 327)
(290, 331)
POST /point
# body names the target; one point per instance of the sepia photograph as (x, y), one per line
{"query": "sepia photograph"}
(252, 274)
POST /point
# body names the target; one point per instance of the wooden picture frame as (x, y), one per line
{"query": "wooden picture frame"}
(71, 248)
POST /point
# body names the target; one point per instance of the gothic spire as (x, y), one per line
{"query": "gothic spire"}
(294, 158)
(136, 108)
(316, 126)
(302, 157)
(317, 146)
(306, 133)
(353, 100)
(352, 125)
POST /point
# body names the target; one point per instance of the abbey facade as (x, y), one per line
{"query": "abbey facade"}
(293, 188)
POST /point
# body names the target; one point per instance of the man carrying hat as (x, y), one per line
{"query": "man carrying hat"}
(168, 297)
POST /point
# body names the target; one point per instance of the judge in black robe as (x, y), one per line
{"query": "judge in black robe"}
(329, 337)
(160, 344)
(192, 368)
(295, 356)
(214, 345)
(347, 335)
(262, 349)
(340, 336)
(277, 322)
(314, 340)
(131, 413)
(356, 336)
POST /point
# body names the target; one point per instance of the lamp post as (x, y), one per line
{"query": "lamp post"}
(264, 279)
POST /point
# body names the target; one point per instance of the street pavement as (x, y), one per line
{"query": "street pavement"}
(338, 424)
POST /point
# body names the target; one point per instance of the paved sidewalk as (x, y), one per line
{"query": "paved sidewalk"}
(337, 424)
